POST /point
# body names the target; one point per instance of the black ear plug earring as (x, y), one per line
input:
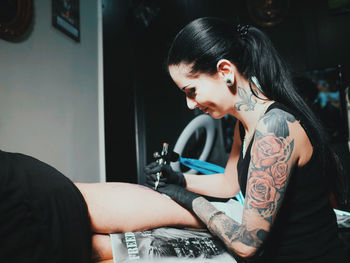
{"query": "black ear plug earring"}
(229, 84)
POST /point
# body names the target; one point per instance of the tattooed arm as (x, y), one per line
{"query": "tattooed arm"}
(237, 238)
(272, 157)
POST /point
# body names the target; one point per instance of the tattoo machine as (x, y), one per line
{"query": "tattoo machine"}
(161, 160)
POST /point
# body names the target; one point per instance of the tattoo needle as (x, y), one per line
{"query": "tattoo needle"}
(161, 161)
(157, 182)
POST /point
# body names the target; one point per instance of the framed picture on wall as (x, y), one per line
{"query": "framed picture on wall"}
(66, 17)
(15, 19)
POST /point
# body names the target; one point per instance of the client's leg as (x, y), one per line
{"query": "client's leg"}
(102, 247)
(122, 207)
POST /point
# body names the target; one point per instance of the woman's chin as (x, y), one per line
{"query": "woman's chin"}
(215, 115)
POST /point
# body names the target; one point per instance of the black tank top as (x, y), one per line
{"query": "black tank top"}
(305, 228)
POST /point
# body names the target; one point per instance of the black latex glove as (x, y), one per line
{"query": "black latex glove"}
(169, 176)
(179, 194)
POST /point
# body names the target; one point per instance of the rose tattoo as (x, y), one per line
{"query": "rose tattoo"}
(262, 190)
(268, 172)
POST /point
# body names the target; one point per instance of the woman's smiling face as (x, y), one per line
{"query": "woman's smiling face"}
(207, 92)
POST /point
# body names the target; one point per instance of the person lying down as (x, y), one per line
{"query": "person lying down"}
(45, 217)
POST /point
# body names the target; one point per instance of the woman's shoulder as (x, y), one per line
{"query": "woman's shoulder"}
(277, 121)
(281, 124)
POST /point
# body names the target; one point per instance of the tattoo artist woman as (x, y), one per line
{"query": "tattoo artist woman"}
(279, 159)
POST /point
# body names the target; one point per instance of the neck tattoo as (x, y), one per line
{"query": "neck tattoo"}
(247, 102)
(245, 139)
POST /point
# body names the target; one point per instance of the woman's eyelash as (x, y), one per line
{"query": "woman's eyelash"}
(190, 92)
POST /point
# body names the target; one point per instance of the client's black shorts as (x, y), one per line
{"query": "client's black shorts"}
(43, 216)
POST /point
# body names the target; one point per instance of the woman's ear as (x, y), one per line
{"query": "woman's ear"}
(226, 70)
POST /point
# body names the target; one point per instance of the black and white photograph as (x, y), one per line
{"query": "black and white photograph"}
(169, 245)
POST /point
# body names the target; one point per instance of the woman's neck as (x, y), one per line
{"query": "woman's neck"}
(249, 108)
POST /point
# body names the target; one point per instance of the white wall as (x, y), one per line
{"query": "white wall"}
(50, 100)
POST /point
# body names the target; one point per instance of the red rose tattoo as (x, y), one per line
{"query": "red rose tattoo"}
(262, 190)
(268, 173)
(267, 151)
(279, 172)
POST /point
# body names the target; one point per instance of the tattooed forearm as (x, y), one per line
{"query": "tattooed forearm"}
(232, 231)
(227, 229)
(203, 209)
(247, 102)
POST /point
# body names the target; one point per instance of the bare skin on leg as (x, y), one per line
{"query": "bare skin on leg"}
(123, 207)
(102, 247)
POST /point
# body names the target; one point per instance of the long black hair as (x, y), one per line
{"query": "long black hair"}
(204, 41)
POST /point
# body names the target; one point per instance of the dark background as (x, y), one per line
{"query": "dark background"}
(137, 35)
